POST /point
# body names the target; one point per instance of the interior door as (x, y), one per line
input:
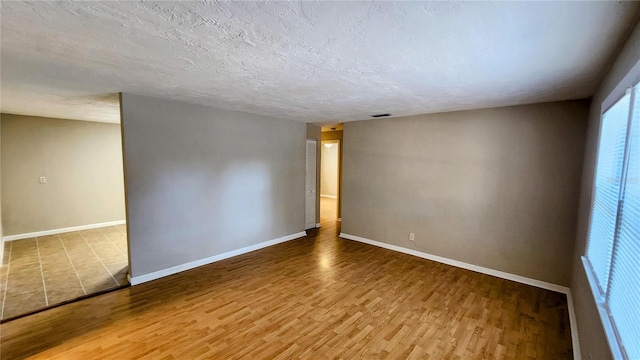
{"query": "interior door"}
(310, 186)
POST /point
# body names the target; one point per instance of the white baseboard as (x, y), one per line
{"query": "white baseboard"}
(328, 196)
(575, 342)
(460, 264)
(135, 280)
(318, 225)
(62, 230)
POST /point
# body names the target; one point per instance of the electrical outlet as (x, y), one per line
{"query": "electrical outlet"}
(43, 180)
(412, 237)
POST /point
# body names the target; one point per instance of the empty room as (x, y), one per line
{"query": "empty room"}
(321, 180)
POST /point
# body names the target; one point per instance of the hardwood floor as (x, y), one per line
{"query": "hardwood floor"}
(317, 297)
(328, 210)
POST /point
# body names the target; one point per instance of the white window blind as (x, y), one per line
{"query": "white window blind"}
(604, 211)
(613, 249)
(623, 295)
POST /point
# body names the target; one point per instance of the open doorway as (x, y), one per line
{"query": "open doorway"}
(63, 212)
(329, 180)
(331, 173)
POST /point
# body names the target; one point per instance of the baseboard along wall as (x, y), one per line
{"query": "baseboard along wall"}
(62, 230)
(573, 323)
(135, 280)
(460, 264)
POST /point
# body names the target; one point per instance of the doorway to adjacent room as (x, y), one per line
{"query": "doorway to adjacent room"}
(329, 179)
(63, 211)
(331, 173)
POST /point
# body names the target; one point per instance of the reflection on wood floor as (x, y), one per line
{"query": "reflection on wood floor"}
(317, 297)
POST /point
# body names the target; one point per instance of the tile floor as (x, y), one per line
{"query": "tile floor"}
(44, 271)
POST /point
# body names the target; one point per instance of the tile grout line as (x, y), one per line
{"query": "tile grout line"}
(114, 245)
(72, 266)
(44, 286)
(6, 284)
(99, 259)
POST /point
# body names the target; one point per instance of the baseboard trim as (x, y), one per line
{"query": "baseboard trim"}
(575, 341)
(318, 225)
(62, 230)
(328, 196)
(460, 264)
(136, 280)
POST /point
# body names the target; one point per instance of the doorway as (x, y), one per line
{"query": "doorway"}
(329, 180)
(331, 150)
(64, 233)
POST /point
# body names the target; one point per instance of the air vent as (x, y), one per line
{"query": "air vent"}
(380, 115)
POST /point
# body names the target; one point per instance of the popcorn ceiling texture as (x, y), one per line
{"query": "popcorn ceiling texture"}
(306, 61)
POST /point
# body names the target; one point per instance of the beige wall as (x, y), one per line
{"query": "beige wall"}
(496, 188)
(82, 162)
(203, 181)
(329, 172)
(314, 132)
(624, 73)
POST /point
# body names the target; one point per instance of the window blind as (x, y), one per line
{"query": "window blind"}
(608, 179)
(623, 295)
(613, 248)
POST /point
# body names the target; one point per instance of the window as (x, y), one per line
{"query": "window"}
(612, 258)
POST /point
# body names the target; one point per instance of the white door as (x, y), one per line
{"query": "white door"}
(310, 186)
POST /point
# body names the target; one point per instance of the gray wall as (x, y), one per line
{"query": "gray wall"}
(494, 188)
(203, 181)
(624, 73)
(82, 162)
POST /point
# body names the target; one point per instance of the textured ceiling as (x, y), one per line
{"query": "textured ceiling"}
(307, 61)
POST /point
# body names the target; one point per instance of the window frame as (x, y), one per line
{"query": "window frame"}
(601, 295)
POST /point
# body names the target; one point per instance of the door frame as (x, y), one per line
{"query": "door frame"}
(311, 223)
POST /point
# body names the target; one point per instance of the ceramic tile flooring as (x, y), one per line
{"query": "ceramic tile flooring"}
(44, 271)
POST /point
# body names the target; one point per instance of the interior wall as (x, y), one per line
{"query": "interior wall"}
(329, 169)
(624, 73)
(82, 163)
(314, 132)
(495, 188)
(203, 181)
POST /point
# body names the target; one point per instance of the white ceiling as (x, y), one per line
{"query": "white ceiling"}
(309, 61)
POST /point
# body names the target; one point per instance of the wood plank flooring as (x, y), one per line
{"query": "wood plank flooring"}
(318, 297)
